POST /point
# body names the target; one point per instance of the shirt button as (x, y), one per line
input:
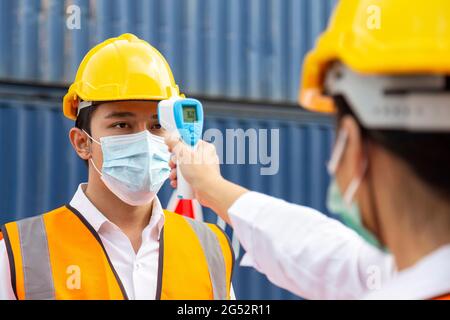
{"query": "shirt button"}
(137, 266)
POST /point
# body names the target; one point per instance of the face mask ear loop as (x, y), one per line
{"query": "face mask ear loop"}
(91, 137)
(93, 164)
(354, 185)
(95, 167)
(337, 152)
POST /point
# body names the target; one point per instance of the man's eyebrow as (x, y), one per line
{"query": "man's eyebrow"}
(120, 115)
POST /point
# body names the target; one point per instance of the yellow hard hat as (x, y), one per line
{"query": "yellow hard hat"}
(122, 68)
(378, 37)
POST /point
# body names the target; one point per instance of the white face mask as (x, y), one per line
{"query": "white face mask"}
(135, 166)
(343, 204)
(335, 159)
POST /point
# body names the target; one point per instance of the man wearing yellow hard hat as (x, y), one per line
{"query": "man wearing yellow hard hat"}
(388, 81)
(114, 240)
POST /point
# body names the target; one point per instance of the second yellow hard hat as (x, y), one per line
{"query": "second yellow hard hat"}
(388, 37)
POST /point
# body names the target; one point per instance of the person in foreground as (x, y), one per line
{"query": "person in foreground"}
(388, 82)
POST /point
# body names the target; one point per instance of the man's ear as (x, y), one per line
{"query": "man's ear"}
(352, 162)
(80, 143)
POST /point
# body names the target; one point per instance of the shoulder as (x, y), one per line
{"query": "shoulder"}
(171, 217)
(56, 211)
(4, 229)
(221, 234)
(205, 231)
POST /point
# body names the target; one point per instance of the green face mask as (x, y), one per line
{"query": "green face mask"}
(342, 204)
(350, 214)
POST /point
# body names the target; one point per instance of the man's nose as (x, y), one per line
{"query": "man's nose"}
(142, 125)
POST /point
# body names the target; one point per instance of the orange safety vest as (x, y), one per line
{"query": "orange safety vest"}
(58, 255)
(443, 297)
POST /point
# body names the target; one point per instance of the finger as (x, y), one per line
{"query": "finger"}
(173, 184)
(183, 153)
(173, 174)
(172, 164)
(172, 140)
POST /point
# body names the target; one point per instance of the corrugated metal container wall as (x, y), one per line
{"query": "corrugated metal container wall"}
(240, 49)
(252, 50)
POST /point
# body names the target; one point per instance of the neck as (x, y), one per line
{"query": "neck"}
(130, 219)
(415, 221)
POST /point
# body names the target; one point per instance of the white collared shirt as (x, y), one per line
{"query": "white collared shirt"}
(137, 271)
(316, 257)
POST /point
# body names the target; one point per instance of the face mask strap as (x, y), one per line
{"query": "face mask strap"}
(336, 156)
(354, 185)
(95, 167)
(338, 151)
(91, 137)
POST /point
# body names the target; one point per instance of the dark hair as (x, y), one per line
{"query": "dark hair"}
(83, 121)
(428, 154)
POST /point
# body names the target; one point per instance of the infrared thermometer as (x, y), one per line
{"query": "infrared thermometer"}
(183, 117)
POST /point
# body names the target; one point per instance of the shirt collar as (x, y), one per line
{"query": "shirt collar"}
(96, 219)
(428, 278)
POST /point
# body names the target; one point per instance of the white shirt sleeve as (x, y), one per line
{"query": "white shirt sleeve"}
(305, 252)
(6, 291)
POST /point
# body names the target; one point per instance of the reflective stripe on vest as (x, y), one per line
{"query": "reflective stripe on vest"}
(195, 259)
(215, 260)
(37, 272)
(214, 257)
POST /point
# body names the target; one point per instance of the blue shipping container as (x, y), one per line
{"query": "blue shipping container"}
(238, 49)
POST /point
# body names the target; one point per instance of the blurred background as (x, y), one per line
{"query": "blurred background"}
(241, 58)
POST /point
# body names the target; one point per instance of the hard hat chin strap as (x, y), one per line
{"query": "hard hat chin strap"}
(401, 102)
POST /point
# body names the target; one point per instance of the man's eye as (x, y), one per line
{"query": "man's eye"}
(156, 129)
(121, 125)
